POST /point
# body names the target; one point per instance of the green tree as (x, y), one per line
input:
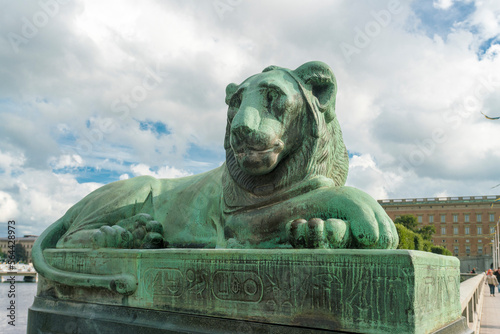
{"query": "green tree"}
(408, 221)
(21, 254)
(440, 250)
(414, 241)
(3, 255)
(411, 222)
(427, 231)
(406, 237)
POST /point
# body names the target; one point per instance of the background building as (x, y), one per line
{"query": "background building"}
(464, 225)
(27, 242)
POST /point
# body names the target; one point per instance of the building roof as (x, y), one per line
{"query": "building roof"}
(30, 238)
(440, 200)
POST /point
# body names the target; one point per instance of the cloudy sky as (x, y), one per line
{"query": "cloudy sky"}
(96, 91)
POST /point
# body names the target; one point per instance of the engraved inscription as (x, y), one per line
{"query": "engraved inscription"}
(197, 282)
(244, 286)
(164, 282)
(350, 292)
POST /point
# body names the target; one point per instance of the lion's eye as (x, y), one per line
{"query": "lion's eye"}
(234, 105)
(235, 101)
(271, 96)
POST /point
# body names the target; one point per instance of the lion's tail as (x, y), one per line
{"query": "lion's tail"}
(122, 283)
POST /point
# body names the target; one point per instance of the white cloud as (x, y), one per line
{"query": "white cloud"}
(59, 93)
(367, 176)
(35, 198)
(486, 17)
(10, 161)
(66, 161)
(43, 197)
(8, 207)
(124, 177)
(442, 4)
(163, 172)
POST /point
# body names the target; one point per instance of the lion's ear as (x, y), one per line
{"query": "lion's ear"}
(271, 68)
(230, 90)
(319, 78)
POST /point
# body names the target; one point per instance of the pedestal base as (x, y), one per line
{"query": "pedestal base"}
(257, 291)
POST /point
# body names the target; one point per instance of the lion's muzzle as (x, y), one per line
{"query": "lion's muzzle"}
(259, 162)
(255, 154)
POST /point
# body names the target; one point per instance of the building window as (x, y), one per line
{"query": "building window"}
(444, 241)
(431, 218)
(492, 229)
(455, 218)
(480, 250)
(466, 240)
(467, 230)
(443, 230)
(478, 217)
(455, 250)
(455, 230)
(479, 230)
(480, 240)
(456, 240)
(467, 250)
(492, 217)
(419, 219)
(466, 217)
(443, 218)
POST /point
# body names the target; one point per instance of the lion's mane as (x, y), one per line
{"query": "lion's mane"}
(322, 153)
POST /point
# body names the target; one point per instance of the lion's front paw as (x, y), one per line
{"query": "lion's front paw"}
(112, 237)
(139, 231)
(317, 233)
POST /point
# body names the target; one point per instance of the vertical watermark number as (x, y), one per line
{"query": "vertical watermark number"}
(11, 260)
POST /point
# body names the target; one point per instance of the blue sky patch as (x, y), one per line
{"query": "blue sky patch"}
(157, 128)
(42, 100)
(200, 159)
(16, 172)
(435, 21)
(91, 174)
(85, 174)
(486, 45)
(6, 101)
(66, 138)
(351, 154)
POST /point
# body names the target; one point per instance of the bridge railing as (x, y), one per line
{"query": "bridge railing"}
(18, 269)
(471, 298)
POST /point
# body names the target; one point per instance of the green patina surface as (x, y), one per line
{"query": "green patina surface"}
(282, 186)
(132, 244)
(367, 291)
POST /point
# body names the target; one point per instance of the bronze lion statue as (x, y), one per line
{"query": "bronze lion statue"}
(282, 186)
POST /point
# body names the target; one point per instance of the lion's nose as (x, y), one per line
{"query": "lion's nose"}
(244, 127)
(247, 119)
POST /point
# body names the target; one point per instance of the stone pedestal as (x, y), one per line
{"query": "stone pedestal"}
(257, 291)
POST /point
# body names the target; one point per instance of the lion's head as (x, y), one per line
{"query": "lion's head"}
(282, 128)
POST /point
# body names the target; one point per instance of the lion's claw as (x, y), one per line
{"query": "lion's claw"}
(317, 233)
(139, 231)
(112, 236)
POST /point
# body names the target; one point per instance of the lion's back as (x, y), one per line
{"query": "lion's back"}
(189, 204)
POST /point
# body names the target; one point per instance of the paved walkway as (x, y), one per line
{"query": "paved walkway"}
(490, 319)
